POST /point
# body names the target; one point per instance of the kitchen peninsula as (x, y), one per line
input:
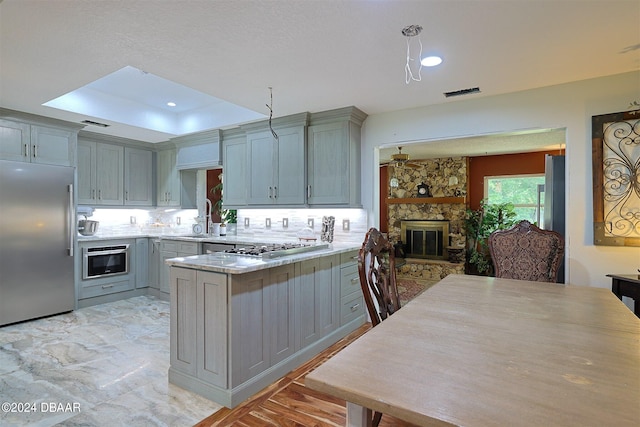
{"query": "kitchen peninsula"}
(239, 323)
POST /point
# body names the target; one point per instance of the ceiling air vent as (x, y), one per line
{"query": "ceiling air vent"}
(462, 92)
(92, 123)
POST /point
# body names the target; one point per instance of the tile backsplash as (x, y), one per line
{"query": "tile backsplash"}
(272, 224)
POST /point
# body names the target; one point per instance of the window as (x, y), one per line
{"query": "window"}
(526, 192)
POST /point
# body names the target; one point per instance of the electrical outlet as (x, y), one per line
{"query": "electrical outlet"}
(132, 219)
(310, 222)
(246, 222)
(267, 222)
(178, 220)
(345, 225)
(285, 222)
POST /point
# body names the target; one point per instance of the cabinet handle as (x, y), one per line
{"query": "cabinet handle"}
(355, 280)
(107, 286)
(270, 192)
(355, 257)
(126, 195)
(275, 192)
(168, 195)
(35, 150)
(99, 194)
(26, 150)
(355, 307)
(93, 194)
(308, 191)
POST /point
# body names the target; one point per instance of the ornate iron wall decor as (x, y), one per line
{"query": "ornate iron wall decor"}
(616, 178)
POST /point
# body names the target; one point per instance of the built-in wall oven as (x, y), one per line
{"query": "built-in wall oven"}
(101, 261)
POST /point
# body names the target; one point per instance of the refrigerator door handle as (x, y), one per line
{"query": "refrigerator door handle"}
(71, 216)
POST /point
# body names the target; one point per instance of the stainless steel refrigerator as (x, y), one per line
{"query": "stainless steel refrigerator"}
(37, 233)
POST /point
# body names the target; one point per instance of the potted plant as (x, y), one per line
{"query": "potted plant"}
(479, 224)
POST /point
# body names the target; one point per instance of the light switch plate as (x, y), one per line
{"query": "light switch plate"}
(285, 222)
(267, 222)
(310, 222)
(345, 225)
(246, 222)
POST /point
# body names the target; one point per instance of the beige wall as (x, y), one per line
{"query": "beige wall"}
(567, 106)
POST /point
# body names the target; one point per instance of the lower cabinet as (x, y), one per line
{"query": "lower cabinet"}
(173, 249)
(351, 300)
(232, 335)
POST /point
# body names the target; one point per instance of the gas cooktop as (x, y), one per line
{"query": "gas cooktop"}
(276, 250)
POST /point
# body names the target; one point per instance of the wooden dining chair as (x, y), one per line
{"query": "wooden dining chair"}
(525, 252)
(377, 271)
(376, 268)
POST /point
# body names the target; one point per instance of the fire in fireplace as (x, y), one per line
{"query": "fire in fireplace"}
(425, 239)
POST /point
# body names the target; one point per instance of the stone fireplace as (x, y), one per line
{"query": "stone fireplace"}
(425, 239)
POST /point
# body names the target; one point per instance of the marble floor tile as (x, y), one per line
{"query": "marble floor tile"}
(104, 365)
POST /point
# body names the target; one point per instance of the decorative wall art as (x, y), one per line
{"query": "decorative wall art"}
(616, 178)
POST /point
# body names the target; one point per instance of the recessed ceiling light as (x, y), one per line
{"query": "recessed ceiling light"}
(171, 104)
(431, 61)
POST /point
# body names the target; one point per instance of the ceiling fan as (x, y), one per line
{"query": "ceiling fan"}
(401, 159)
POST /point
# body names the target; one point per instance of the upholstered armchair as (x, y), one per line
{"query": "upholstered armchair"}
(525, 252)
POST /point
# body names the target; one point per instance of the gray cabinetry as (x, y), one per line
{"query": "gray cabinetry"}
(334, 157)
(351, 300)
(100, 173)
(37, 143)
(276, 167)
(234, 158)
(142, 263)
(168, 179)
(138, 177)
(172, 249)
(199, 325)
(250, 329)
(103, 286)
(154, 263)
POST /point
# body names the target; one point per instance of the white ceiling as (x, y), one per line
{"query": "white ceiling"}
(315, 54)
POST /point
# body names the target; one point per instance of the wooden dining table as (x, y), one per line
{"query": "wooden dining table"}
(479, 351)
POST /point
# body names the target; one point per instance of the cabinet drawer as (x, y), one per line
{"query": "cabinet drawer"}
(349, 280)
(347, 258)
(99, 287)
(351, 308)
(182, 248)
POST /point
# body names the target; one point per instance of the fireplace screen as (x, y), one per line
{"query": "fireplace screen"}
(425, 239)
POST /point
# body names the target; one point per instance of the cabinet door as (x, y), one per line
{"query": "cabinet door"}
(306, 290)
(328, 293)
(281, 313)
(138, 184)
(183, 305)
(168, 179)
(141, 260)
(250, 327)
(165, 270)
(52, 146)
(154, 263)
(235, 172)
(262, 162)
(109, 174)
(86, 169)
(329, 164)
(212, 327)
(15, 140)
(289, 186)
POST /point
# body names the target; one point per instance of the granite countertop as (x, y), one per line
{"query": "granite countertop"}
(238, 264)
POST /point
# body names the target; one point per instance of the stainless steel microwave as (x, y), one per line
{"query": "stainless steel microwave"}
(101, 261)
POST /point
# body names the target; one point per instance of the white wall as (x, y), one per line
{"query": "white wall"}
(567, 106)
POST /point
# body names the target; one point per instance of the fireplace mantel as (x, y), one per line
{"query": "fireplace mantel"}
(427, 200)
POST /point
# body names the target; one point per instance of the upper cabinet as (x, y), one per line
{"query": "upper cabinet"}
(334, 158)
(201, 150)
(234, 159)
(100, 173)
(112, 174)
(138, 177)
(35, 143)
(168, 179)
(276, 167)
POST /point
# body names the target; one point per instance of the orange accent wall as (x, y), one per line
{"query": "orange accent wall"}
(505, 164)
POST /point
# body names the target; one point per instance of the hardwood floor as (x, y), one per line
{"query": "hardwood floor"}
(289, 403)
